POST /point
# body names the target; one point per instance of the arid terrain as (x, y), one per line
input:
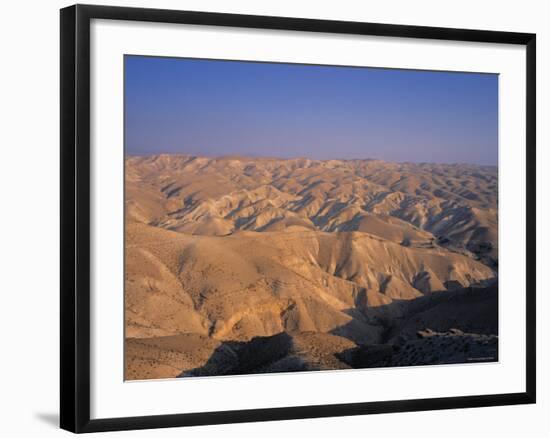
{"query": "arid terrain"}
(247, 265)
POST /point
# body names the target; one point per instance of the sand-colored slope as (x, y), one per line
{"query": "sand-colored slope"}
(389, 228)
(258, 284)
(300, 262)
(164, 357)
(455, 205)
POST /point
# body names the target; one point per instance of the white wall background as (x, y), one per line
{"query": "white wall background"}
(29, 239)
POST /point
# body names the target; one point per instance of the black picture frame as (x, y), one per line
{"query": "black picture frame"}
(75, 217)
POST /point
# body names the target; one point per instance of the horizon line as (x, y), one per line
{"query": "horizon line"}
(266, 157)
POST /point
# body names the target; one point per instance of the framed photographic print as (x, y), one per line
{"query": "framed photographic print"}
(269, 218)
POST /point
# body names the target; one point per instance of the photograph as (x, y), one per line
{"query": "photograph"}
(291, 217)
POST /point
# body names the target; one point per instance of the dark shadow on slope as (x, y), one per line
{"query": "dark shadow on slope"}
(254, 356)
(471, 310)
(431, 348)
(459, 326)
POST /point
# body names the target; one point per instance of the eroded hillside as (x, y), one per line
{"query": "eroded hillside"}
(224, 256)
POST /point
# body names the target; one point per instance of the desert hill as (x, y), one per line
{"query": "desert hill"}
(226, 255)
(455, 204)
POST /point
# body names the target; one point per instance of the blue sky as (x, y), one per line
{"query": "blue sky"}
(209, 107)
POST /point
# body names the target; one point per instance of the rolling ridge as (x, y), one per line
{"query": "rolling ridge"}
(233, 252)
